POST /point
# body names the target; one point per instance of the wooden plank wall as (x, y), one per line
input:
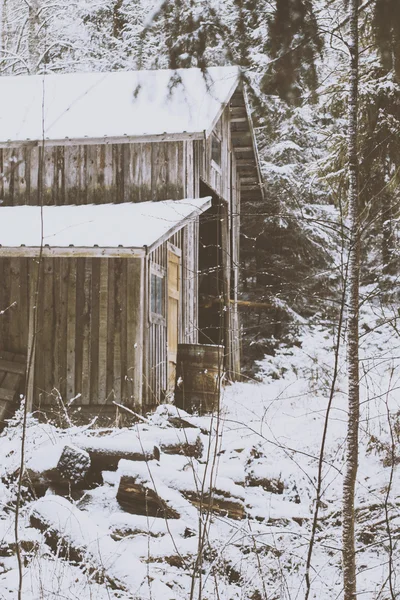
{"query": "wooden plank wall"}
(14, 310)
(224, 181)
(155, 336)
(93, 173)
(190, 294)
(90, 327)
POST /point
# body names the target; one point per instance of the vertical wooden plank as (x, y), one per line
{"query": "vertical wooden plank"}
(71, 328)
(13, 313)
(135, 329)
(103, 308)
(118, 324)
(189, 171)
(3, 303)
(94, 333)
(108, 174)
(57, 322)
(48, 175)
(79, 325)
(31, 354)
(127, 192)
(118, 173)
(34, 153)
(47, 328)
(86, 329)
(197, 166)
(143, 171)
(24, 304)
(91, 153)
(71, 184)
(6, 170)
(159, 171)
(124, 333)
(59, 177)
(2, 177)
(18, 179)
(112, 306)
(63, 315)
(100, 174)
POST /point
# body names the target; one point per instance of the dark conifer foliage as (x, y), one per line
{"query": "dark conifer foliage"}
(192, 31)
(293, 44)
(387, 33)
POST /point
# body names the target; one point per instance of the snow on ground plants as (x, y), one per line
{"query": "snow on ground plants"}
(233, 496)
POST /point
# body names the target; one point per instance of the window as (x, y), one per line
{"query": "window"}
(157, 294)
(216, 151)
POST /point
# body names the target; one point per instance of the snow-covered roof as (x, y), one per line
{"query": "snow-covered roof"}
(127, 104)
(123, 227)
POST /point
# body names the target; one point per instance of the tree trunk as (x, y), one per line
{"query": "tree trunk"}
(349, 562)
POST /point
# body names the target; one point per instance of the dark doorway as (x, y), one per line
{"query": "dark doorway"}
(211, 283)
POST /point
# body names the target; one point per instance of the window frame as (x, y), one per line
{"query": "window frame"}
(159, 272)
(217, 166)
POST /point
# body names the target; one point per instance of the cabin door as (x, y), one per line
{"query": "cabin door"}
(174, 269)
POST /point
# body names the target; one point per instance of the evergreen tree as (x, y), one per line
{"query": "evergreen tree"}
(387, 33)
(294, 41)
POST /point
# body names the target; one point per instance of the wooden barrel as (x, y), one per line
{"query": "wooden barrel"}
(199, 375)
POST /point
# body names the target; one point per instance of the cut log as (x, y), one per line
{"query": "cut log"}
(74, 465)
(68, 468)
(217, 504)
(139, 499)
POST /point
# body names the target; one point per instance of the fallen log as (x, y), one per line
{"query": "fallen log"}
(139, 499)
(107, 459)
(217, 504)
(70, 533)
(192, 449)
(140, 445)
(269, 484)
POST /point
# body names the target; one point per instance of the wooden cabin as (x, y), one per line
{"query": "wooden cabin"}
(119, 228)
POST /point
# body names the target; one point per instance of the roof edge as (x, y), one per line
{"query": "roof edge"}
(195, 213)
(87, 141)
(70, 252)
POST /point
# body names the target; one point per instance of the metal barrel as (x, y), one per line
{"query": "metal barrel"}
(199, 376)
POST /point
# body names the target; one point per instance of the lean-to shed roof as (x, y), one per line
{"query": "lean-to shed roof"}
(97, 230)
(184, 103)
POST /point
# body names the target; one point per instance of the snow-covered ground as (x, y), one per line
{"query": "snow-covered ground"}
(262, 455)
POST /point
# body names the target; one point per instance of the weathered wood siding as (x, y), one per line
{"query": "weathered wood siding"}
(90, 327)
(14, 304)
(224, 180)
(130, 172)
(156, 330)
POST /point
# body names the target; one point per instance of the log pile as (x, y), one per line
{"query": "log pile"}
(143, 478)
